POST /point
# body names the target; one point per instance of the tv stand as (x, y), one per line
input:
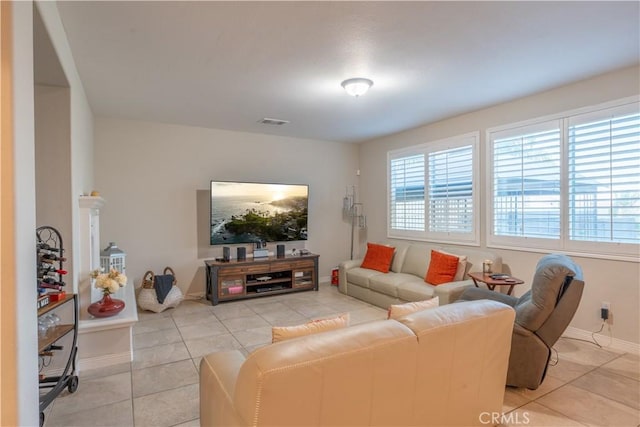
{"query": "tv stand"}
(232, 280)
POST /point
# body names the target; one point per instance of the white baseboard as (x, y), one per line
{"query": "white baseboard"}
(103, 361)
(604, 340)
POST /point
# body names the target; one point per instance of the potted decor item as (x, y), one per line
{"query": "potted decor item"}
(109, 283)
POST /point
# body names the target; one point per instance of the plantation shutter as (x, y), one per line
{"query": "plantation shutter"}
(526, 181)
(451, 190)
(406, 192)
(604, 176)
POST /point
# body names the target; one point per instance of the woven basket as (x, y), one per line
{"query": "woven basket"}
(147, 298)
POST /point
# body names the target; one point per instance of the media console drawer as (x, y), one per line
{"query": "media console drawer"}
(246, 269)
(280, 266)
(232, 280)
(303, 264)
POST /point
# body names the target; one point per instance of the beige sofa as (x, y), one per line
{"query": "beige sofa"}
(444, 366)
(405, 281)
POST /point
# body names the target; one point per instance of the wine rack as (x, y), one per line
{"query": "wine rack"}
(52, 296)
(50, 259)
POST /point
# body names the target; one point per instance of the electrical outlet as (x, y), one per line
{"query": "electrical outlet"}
(605, 311)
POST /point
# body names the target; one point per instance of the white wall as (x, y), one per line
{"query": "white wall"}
(151, 176)
(80, 144)
(613, 281)
(54, 201)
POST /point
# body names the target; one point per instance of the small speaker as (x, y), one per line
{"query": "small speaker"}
(241, 253)
(226, 253)
(280, 251)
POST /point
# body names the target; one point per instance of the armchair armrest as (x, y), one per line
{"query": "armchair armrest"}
(474, 293)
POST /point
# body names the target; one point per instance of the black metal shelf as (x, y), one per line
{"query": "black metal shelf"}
(49, 246)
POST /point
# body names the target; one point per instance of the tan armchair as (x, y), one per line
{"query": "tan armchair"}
(542, 315)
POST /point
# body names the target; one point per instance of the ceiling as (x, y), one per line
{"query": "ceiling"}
(226, 65)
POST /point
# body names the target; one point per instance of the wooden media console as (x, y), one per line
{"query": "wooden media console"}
(231, 280)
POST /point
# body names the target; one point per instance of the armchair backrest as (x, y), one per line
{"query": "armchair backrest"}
(560, 318)
(553, 299)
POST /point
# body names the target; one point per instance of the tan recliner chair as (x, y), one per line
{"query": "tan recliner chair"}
(542, 315)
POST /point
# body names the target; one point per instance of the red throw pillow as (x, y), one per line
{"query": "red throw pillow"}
(442, 268)
(378, 257)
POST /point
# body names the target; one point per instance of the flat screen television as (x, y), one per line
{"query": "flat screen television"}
(249, 212)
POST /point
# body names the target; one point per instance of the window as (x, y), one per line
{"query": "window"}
(446, 211)
(407, 192)
(526, 182)
(571, 183)
(451, 190)
(604, 177)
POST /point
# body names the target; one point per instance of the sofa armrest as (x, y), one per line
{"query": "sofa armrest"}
(342, 272)
(218, 374)
(449, 292)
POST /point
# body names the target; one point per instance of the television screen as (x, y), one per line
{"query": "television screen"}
(246, 212)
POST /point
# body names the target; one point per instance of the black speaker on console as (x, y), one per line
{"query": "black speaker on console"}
(280, 251)
(226, 253)
(241, 253)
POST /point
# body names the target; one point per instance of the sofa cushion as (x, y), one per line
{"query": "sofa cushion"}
(388, 284)
(398, 310)
(378, 257)
(415, 289)
(360, 276)
(398, 259)
(442, 268)
(281, 333)
(416, 260)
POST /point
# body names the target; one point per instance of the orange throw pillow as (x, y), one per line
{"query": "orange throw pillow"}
(442, 268)
(378, 257)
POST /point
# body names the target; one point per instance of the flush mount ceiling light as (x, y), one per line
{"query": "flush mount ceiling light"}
(356, 87)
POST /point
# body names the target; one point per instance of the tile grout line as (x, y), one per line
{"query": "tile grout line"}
(133, 400)
(558, 412)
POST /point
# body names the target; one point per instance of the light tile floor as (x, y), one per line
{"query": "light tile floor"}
(588, 386)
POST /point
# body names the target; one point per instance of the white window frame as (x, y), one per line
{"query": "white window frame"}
(620, 251)
(473, 238)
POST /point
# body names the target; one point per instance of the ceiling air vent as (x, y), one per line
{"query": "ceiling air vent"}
(277, 122)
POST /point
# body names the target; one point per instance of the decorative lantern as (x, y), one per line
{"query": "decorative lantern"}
(112, 257)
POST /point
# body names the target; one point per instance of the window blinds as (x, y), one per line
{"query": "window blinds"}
(526, 182)
(604, 177)
(451, 190)
(406, 192)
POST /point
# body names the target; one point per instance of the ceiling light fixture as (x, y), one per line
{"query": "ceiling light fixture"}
(356, 87)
